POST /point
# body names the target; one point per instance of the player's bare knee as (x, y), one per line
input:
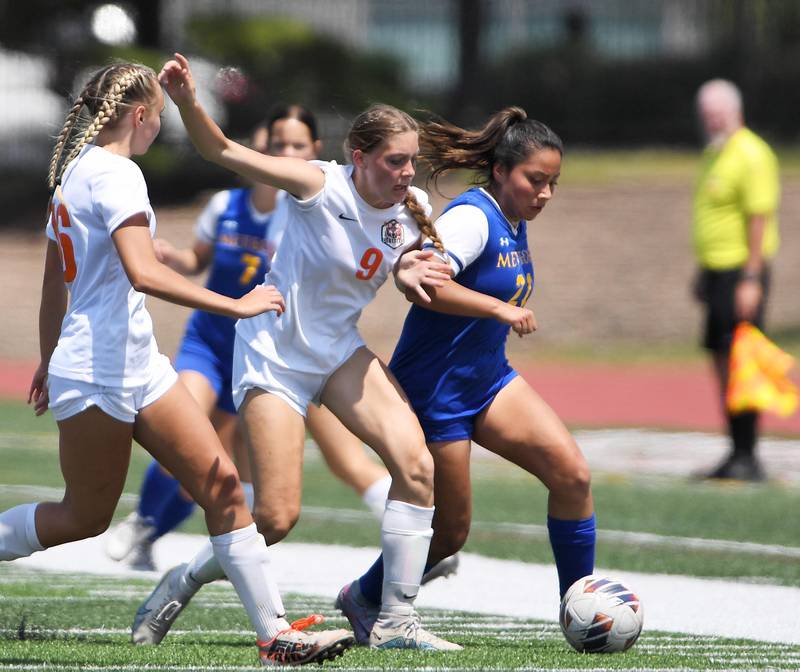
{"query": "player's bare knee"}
(450, 541)
(416, 476)
(581, 478)
(225, 491)
(275, 525)
(89, 523)
(573, 480)
(227, 481)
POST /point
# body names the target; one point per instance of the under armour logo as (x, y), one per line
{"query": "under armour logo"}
(504, 242)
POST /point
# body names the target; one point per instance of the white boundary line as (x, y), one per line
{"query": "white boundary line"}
(540, 532)
(487, 586)
(522, 529)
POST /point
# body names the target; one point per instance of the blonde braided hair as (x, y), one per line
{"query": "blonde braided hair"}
(62, 139)
(97, 106)
(424, 223)
(367, 131)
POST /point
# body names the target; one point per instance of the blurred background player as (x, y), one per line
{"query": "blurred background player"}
(101, 373)
(347, 228)
(735, 237)
(237, 235)
(451, 360)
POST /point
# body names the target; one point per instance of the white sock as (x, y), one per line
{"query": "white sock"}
(18, 538)
(375, 496)
(406, 537)
(204, 567)
(245, 561)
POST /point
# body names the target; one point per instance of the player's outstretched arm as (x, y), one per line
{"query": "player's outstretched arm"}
(150, 276)
(455, 299)
(294, 175)
(184, 260)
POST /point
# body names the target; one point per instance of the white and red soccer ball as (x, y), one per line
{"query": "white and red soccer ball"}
(600, 615)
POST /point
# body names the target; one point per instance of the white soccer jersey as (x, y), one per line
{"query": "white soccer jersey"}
(336, 253)
(107, 335)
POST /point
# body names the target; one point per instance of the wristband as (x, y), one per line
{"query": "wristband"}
(750, 276)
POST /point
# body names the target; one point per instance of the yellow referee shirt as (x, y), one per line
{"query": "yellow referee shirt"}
(736, 182)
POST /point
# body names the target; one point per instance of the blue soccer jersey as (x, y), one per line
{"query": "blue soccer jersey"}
(243, 248)
(451, 367)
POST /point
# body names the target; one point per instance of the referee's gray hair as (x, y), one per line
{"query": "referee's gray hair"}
(726, 89)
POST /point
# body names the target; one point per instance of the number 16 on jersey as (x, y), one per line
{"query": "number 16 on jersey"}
(59, 220)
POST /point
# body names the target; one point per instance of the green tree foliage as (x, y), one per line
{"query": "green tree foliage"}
(285, 60)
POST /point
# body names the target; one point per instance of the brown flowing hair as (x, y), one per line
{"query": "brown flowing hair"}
(367, 131)
(507, 138)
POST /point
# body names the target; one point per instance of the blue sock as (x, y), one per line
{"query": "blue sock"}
(174, 511)
(573, 549)
(371, 583)
(157, 488)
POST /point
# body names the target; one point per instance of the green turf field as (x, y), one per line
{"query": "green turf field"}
(654, 524)
(509, 511)
(65, 622)
(58, 621)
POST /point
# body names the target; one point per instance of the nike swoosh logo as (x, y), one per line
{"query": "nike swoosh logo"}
(345, 217)
(410, 597)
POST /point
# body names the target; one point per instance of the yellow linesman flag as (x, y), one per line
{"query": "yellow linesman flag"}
(758, 378)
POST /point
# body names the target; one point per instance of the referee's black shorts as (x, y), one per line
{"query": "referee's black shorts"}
(716, 290)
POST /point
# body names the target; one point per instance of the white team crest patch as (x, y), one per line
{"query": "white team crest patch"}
(392, 233)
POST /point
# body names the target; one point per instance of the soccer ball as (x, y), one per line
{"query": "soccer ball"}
(600, 615)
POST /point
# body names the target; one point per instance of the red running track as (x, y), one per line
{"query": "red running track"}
(675, 396)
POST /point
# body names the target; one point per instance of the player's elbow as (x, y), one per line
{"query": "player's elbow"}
(143, 279)
(220, 151)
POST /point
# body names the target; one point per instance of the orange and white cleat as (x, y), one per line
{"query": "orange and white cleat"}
(295, 647)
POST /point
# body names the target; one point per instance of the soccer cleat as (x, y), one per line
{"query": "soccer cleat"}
(737, 468)
(128, 535)
(141, 557)
(404, 631)
(159, 611)
(295, 647)
(361, 613)
(442, 569)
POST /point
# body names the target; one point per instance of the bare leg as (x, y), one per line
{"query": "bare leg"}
(522, 428)
(365, 396)
(369, 402)
(94, 450)
(180, 436)
(275, 435)
(452, 492)
(343, 452)
(176, 432)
